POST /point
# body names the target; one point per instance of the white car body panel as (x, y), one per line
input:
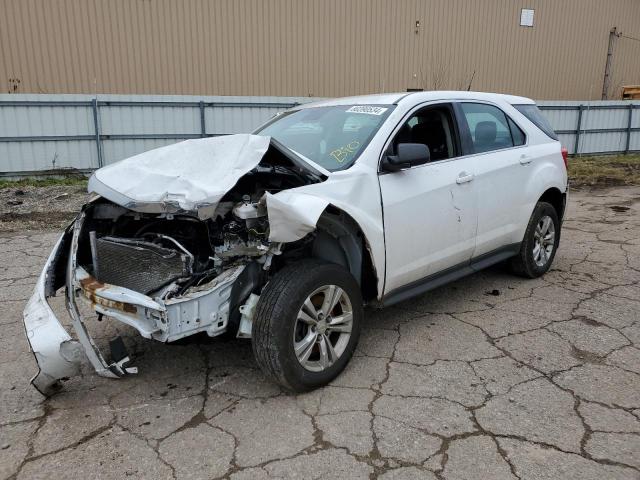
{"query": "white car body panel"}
(508, 191)
(192, 175)
(499, 215)
(355, 191)
(430, 220)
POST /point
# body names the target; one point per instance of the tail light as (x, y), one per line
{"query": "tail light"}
(565, 155)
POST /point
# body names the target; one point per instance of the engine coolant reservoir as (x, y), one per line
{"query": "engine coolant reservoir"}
(247, 209)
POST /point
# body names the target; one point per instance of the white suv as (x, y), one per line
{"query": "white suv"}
(284, 235)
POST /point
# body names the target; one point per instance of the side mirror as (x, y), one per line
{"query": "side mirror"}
(409, 155)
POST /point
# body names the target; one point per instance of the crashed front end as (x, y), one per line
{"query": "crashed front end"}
(167, 268)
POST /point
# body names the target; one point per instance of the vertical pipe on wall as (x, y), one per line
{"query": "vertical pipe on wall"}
(613, 34)
(626, 148)
(203, 126)
(578, 127)
(96, 129)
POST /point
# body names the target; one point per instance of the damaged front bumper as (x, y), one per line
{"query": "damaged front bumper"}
(59, 356)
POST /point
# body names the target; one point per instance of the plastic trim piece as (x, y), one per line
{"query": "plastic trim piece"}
(450, 274)
(57, 355)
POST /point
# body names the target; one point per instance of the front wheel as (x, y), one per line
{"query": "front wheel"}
(540, 243)
(307, 324)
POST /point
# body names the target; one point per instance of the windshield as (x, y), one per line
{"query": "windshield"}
(333, 137)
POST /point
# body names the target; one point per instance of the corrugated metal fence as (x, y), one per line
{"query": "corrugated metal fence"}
(43, 133)
(595, 127)
(49, 132)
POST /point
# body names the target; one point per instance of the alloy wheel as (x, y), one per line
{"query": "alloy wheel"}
(544, 241)
(323, 328)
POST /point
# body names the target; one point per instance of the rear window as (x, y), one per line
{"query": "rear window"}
(533, 113)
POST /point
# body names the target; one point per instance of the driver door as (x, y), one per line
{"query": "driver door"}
(430, 211)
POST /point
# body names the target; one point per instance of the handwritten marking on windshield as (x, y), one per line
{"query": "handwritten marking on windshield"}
(341, 154)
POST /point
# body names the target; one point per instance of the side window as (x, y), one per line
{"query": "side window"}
(433, 127)
(488, 126)
(533, 113)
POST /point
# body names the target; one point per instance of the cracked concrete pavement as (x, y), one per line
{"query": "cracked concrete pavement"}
(490, 377)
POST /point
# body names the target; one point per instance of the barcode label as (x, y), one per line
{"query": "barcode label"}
(367, 109)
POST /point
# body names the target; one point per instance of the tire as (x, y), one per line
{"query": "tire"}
(280, 321)
(527, 263)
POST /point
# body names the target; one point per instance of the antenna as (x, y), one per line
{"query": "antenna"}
(471, 81)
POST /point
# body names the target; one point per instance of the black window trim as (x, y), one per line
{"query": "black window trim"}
(511, 123)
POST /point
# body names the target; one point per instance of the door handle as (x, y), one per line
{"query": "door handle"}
(464, 177)
(525, 159)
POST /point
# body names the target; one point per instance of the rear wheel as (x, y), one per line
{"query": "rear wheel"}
(307, 324)
(540, 243)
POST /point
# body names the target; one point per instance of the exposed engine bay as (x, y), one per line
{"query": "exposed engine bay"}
(197, 273)
(171, 254)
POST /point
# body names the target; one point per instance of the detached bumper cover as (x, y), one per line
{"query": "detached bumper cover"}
(112, 370)
(57, 355)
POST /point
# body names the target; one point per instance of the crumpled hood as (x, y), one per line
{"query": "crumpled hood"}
(190, 176)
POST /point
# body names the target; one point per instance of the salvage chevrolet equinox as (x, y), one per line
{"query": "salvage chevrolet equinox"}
(284, 235)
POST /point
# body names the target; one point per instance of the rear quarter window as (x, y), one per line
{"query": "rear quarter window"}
(533, 113)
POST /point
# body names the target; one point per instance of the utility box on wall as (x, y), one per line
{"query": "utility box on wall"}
(526, 17)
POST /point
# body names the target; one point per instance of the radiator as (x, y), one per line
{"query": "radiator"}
(137, 265)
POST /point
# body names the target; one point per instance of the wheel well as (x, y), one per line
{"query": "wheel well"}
(556, 198)
(339, 239)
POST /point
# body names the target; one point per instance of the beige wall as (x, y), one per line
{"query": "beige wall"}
(315, 47)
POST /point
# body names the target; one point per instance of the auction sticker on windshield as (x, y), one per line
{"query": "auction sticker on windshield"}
(369, 110)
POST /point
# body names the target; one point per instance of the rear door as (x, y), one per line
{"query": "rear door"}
(501, 162)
